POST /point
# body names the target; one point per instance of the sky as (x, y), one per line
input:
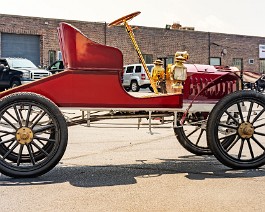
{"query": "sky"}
(242, 17)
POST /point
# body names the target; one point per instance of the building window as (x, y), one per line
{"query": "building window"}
(215, 61)
(169, 60)
(251, 61)
(262, 66)
(238, 62)
(59, 55)
(52, 56)
(148, 58)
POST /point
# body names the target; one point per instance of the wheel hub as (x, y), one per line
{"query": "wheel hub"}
(246, 130)
(24, 135)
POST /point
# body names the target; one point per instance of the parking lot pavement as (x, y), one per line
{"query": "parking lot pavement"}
(113, 166)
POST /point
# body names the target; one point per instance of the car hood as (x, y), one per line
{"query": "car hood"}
(31, 69)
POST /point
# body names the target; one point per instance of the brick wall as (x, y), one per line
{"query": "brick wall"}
(156, 41)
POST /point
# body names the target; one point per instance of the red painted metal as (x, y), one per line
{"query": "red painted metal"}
(81, 53)
(92, 78)
(199, 78)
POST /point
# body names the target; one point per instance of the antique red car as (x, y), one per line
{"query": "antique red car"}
(34, 132)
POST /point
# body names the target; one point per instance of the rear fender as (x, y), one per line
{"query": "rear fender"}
(135, 79)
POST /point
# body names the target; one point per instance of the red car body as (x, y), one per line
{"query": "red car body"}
(92, 79)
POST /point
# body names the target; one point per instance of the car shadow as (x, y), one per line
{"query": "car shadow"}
(193, 168)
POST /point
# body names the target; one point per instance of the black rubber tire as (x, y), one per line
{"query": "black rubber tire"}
(134, 86)
(127, 89)
(15, 83)
(196, 147)
(151, 88)
(241, 152)
(49, 129)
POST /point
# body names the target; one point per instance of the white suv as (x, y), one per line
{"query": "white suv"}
(134, 77)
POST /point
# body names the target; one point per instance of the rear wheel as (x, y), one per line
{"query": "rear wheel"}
(193, 135)
(238, 141)
(134, 86)
(151, 88)
(33, 135)
(193, 138)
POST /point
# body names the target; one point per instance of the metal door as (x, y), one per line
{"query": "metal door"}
(24, 46)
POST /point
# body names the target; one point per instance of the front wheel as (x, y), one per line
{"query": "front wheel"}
(127, 89)
(33, 135)
(235, 130)
(15, 84)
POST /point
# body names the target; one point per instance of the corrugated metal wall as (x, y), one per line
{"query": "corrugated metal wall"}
(21, 45)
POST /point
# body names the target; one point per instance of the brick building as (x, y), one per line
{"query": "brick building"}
(36, 39)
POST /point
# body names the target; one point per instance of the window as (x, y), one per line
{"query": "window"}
(138, 69)
(215, 61)
(21, 63)
(251, 61)
(150, 67)
(52, 56)
(148, 58)
(129, 69)
(169, 60)
(238, 62)
(262, 66)
(58, 65)
(59, 55)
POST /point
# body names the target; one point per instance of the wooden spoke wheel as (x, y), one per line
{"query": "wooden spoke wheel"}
(193, 135)
(235, 130)
(193, 138)
(121, 20)
(33, 135)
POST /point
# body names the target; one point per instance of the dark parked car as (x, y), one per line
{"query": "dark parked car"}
(261, 83)
(249, 85)
(56, 67)
(19, 71)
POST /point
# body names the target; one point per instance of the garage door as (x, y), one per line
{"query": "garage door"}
(25, 46)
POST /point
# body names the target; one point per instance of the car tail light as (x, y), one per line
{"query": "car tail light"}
(143, 77)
